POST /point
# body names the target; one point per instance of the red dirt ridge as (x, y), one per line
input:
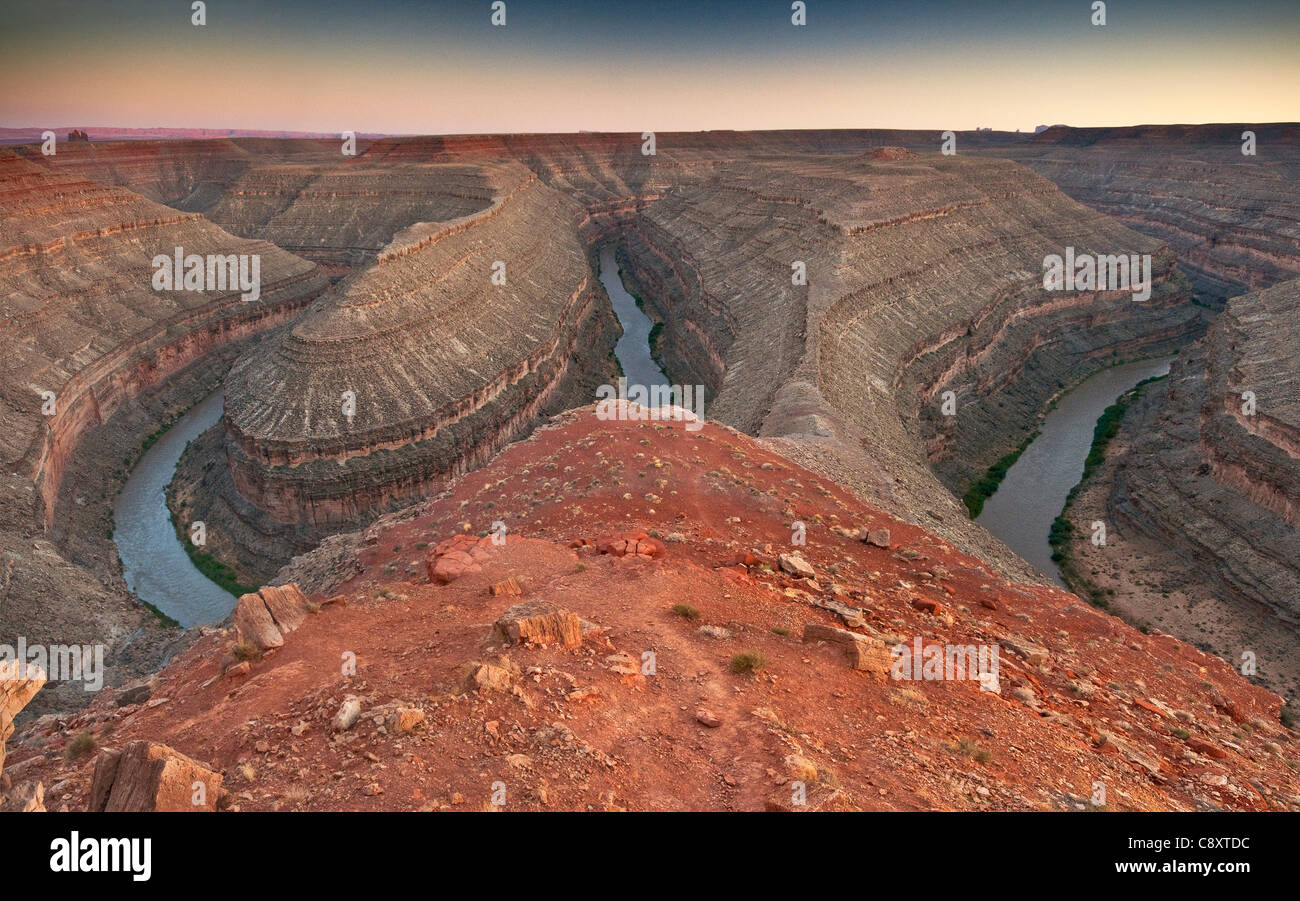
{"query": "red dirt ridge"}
(648, 636)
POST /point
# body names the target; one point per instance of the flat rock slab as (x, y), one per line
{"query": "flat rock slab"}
(540, 622)
(863, 651)
(263, 618)
(145, 776)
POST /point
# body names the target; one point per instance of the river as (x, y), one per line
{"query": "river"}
(633, 348)
(154, 563)
(1033, 493)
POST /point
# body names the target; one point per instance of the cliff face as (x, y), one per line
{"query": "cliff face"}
(83, 321)
(1203, 496)
(923, 275)
(721, 669)
(304, 196)
(423, 366)
(1233, 220)
(87, 338)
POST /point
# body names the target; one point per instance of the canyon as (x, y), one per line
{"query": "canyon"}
(428, 302)
(1201, 495)
(1232, 218)
(706, 231)
(88, 344)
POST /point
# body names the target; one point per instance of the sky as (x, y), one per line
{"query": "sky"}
(444, 68)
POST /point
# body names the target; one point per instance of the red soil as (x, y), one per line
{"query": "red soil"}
(1087, 700)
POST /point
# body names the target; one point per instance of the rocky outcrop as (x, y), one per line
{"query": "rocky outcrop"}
(1203, 489)
(145, 776)
(19, 683)
(263, 618)
(703, 643)
(539, 623)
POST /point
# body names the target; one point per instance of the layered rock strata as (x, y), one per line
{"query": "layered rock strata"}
(1232, 218)
(87, 337)
(1203, 490)
(919, 264)
(83, 327)
(419, 368)
(304, 196)
(923, 276)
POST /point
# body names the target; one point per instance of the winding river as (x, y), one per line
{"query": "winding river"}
(157, 568)
(633, 348)
(1033, 493)
(154, 563)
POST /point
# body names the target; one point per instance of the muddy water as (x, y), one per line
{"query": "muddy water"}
(633, 348)
(154, 563)
(1034, 491)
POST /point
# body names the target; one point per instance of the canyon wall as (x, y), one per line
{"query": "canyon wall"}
(455, 342)
(924, 275)
(82, 320)
(1202, 493)
(1233, 219)
(86, 337)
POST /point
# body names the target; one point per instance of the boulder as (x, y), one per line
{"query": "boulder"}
(1033, 654)
(877, 537)
(347, 715)
(863, 651)
(797, 566)
(288, 605)
(457, 556)
(632, 543)
(1204, 747)
(488, 677)
(254, 624)
(853, 617)
(135, 692)
(263, 618)
(406, 720)
(508, 587)
(706, 717)
(25, 797)
(19, 683)
(145, 776)
(808, 798)
(540, 622)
